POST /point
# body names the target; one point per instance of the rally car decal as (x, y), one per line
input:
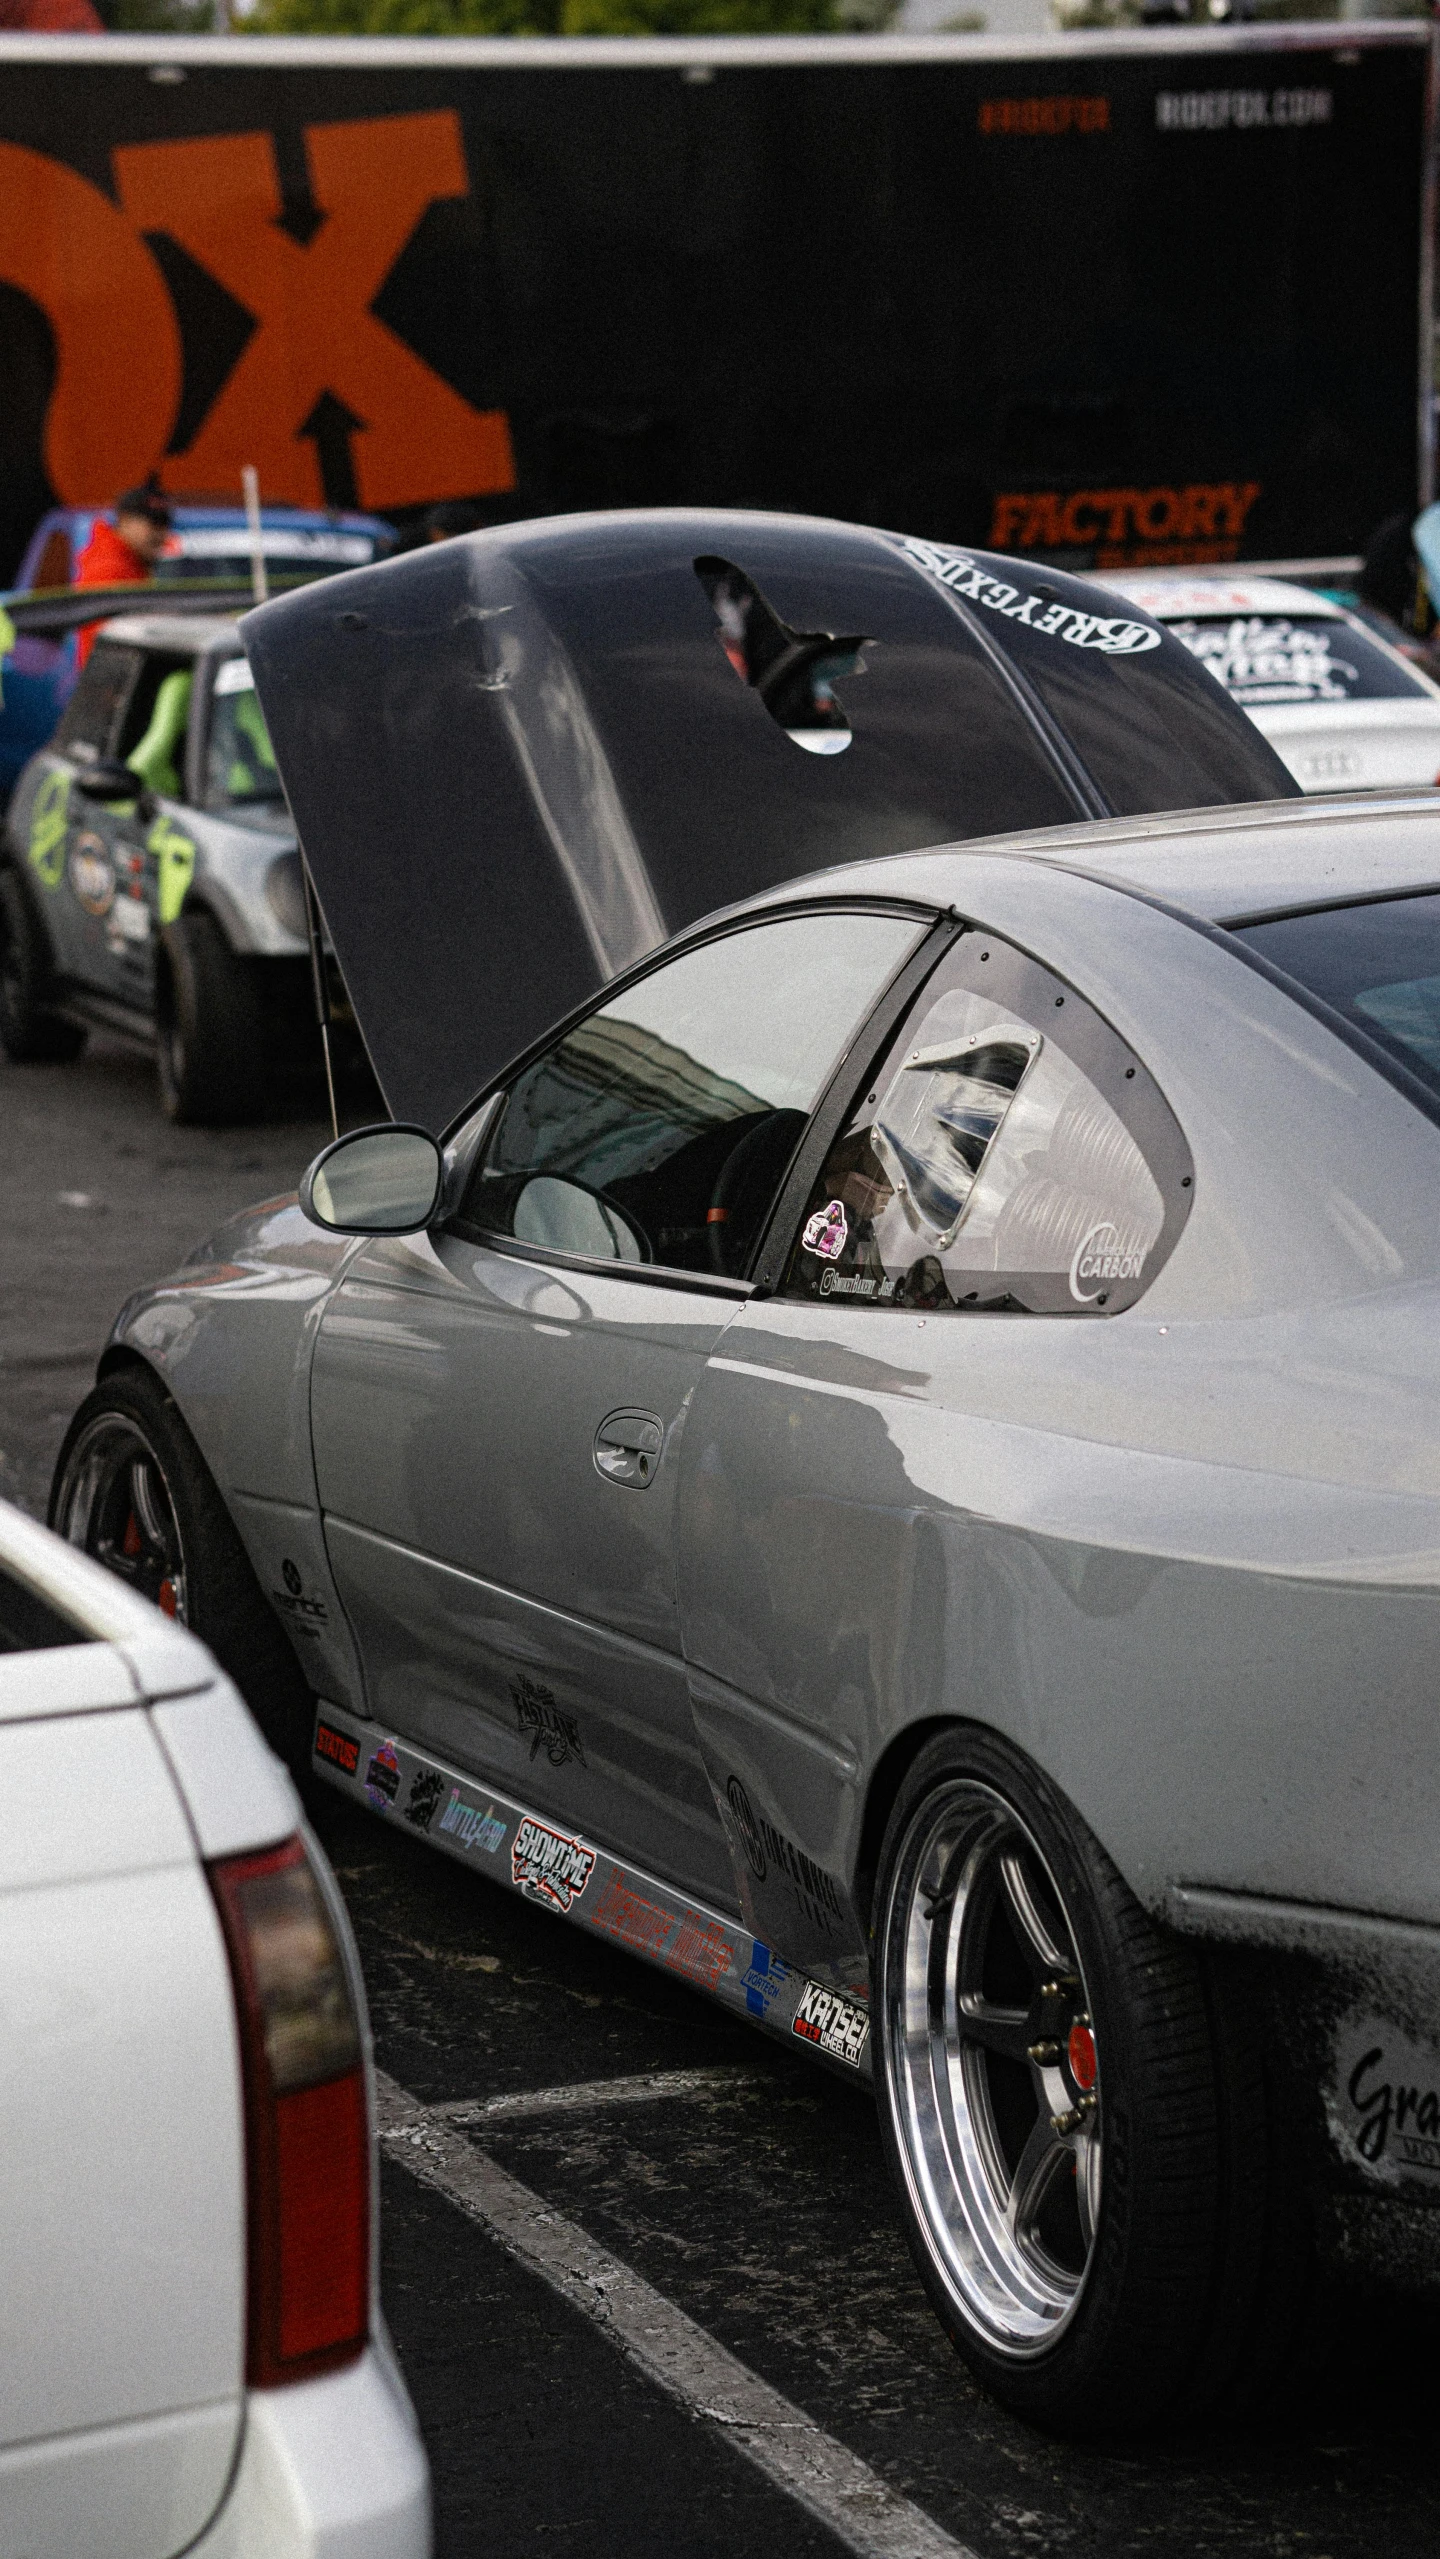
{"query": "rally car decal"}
(49, 824)
(175, 865)
(581, 1881)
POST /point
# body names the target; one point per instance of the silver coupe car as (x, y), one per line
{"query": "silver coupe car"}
(1035, 1720)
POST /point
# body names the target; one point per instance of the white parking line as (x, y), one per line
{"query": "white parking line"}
(797, 2456)
(586, 2094)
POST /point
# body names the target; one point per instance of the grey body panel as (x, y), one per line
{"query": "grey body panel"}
(1187, 1558)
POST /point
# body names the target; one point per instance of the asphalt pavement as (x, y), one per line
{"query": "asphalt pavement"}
(642, 2266)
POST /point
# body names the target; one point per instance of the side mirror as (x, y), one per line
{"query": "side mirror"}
(107, 779)
(376, 1181)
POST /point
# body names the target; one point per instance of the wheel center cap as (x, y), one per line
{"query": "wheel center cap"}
(1080, 2054)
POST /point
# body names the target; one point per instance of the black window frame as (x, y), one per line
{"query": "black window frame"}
(83, 750)
(890, 1003)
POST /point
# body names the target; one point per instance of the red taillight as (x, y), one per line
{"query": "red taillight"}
(307, 2142)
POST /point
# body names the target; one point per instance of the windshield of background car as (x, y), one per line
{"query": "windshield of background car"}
(222, 552)
(1265, 660)
(660, 1128)
(1377, 964)
(240, 767)
(1010, 1155)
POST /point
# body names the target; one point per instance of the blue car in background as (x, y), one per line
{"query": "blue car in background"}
(207, 543)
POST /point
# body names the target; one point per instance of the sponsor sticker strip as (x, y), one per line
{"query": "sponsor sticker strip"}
(1115, 635)
(576, 1879)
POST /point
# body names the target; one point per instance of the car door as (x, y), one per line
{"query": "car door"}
(152, 856)
(115, 870)
(1007, 1179)
(55, 820)
(498, 1407)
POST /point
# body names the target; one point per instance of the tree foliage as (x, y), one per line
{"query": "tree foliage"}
(563, 17)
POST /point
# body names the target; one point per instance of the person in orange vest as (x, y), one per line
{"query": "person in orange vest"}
(124, 553)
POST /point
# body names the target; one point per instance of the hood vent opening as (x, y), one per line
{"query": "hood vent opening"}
(794, 672)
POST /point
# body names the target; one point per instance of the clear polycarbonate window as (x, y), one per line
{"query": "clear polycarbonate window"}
(1011, 1153)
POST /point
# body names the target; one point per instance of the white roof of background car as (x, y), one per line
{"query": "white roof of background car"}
(1182, 596)
(187, 632)
(1216, 864)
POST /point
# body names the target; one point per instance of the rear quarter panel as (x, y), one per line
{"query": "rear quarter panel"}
(1188, 1558)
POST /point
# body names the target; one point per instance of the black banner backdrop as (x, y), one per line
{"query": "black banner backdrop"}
(1107, 299)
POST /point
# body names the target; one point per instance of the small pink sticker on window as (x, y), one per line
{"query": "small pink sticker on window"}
(826, 1231)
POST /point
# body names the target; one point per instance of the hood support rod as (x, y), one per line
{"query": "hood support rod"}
(320, 983)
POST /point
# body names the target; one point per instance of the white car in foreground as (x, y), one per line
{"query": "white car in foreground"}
(191, 2356)
(1343, 709)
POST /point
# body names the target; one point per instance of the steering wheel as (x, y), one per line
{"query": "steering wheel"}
(745, 1186)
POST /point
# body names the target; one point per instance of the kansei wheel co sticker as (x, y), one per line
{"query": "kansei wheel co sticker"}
(839, 2027)
(826, 1232)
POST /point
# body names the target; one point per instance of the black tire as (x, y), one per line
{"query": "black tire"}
(211, 1045)
(1096, 2222)
(31, 1032)
(132, 1489)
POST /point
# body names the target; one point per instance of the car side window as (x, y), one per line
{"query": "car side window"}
(240, 766)
(1011, 1154)
(156, 692)
(92, 716)
(659, 1128)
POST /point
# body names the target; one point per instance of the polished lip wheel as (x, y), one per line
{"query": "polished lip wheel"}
(114, 1502)
(989, 2048)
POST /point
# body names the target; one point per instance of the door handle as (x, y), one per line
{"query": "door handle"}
(628, 1448)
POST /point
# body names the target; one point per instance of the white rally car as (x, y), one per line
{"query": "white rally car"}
(191, 2356)
(1341, 708)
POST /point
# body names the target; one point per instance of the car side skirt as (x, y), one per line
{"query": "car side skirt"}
(576, 1878)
